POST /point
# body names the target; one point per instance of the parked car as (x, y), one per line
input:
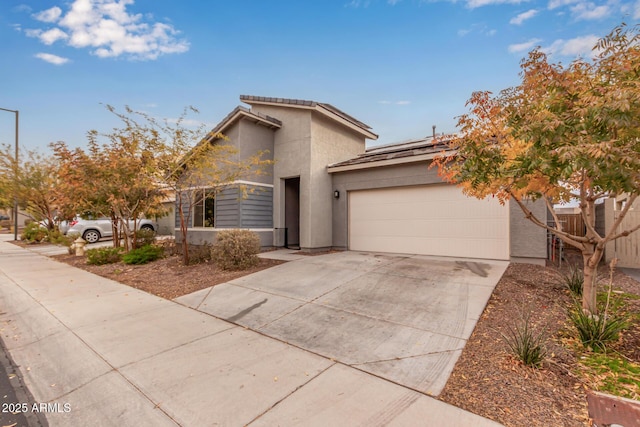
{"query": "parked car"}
(63, 225)
(93, 230)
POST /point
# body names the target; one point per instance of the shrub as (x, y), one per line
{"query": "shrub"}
(199, 253)
(236, 249)
(144, 237)
(596, 331)
(101, 256)
(525, 343)
(33, 233)
(56, 237)
(143, 255)
(573, 279)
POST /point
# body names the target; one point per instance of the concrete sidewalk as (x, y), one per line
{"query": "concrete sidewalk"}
(95, 352)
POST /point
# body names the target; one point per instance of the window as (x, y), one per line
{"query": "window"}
(204, 209)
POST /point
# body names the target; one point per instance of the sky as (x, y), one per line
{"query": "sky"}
(400, 66)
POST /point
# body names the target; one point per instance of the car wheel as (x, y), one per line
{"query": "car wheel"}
(91, 236)
(146, 227)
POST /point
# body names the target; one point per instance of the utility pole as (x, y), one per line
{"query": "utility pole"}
(15, 177)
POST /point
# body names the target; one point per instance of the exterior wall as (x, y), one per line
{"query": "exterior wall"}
(251, 139)
(527, 241)
(166, 223)
(292, 151)
(331, 143)
(232, 210)
(227, 208)
(304, 146)
(625, 249)
(203, 236)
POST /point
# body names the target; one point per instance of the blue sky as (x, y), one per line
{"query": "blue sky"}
(400, 66)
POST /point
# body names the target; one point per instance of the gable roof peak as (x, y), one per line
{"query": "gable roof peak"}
(324, 108)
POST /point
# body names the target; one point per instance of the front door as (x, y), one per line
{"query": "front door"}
(292, 212)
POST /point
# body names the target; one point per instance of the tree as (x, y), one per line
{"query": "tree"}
(114, 178)
(564, 133)
(187, 170)
(33, 181)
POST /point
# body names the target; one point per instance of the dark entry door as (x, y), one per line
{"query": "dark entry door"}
(292, 212)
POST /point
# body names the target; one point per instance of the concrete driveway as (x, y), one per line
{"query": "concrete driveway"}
(402, 318)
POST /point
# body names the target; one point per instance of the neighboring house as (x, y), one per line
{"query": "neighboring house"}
(327, 191)
(625, 249)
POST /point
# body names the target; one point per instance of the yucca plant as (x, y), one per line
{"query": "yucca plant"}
(596, 331)
(573, 279)
(526, 343)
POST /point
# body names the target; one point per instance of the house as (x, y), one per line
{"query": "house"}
(625, 249)
(327, 191)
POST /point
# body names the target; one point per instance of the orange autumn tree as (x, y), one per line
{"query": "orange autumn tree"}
(565, 133)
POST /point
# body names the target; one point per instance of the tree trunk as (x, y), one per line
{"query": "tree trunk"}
(591, 259)
(183, 231)
(114, 232)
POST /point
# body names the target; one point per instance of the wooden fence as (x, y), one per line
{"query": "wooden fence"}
(572, 223)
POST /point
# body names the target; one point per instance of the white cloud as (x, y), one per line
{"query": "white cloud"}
(52, 36)
(393, 2)
(49, 15)
(109, 30)
(588, 11)
(358, 3)
(477, 28)
(52, 59)
(523, 47)
(403, 102)
(472, 4)
(520, 18)
(554, 4)
(579, 46)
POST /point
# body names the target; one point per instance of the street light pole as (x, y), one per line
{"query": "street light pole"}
(15, 195)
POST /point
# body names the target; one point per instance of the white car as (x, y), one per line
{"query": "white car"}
(93, 230)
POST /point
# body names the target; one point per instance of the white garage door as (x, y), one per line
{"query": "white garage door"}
(428, 220)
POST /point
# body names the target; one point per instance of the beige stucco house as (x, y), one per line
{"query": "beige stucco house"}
(328, 191)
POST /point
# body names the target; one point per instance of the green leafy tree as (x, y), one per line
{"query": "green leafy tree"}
(565, 132)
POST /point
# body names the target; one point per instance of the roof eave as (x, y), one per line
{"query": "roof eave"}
(313, 106)
(380, 163)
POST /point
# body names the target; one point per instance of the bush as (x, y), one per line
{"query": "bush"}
(525, 343)
(199, 253)
(144, 237)
(596, 331)
(56, 237)
(573, 280)
(101, 256)
(236, 249)
(33, 233)
(143, 255)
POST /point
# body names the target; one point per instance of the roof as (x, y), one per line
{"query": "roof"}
(242, 112)
(231, 118)
(404, 152)
(323, 108)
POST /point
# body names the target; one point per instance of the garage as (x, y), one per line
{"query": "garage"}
(429, 220)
